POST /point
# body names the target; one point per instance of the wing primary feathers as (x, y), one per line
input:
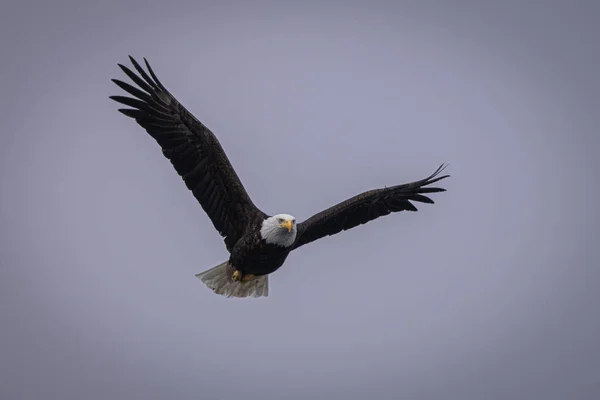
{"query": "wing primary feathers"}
(154, 75)
(410, 206)
(159, 112)
(429, 180)
(141, 83)
(130, 113)
(133, 91)
(143, 73)
(421, 199)
(128, 101)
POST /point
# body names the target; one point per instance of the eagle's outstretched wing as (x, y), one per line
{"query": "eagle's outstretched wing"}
(193, 150)
(366, 207)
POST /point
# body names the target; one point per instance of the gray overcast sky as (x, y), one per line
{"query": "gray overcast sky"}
(491, 293)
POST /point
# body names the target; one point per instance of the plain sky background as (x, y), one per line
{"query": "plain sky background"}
(491, 293)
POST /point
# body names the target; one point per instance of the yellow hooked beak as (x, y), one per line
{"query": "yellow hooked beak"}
(287, 224)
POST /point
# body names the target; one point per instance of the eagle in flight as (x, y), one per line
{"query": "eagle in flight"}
(258, 243)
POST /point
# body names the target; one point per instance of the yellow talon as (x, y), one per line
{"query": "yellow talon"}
(237, 275)
(247, 278)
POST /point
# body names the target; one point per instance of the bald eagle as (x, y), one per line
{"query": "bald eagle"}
(258, 243)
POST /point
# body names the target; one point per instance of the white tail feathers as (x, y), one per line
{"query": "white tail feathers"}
(219, 280)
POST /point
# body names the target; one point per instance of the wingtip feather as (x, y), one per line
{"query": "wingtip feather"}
(129, 112)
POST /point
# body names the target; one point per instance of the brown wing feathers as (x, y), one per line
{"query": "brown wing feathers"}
(366, 207)
(192, 148)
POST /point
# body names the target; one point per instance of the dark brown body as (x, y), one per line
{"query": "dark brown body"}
(252, 255)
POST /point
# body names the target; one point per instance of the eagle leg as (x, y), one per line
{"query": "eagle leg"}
(237, 275)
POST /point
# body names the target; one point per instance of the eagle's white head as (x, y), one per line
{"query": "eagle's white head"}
(279, 229)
